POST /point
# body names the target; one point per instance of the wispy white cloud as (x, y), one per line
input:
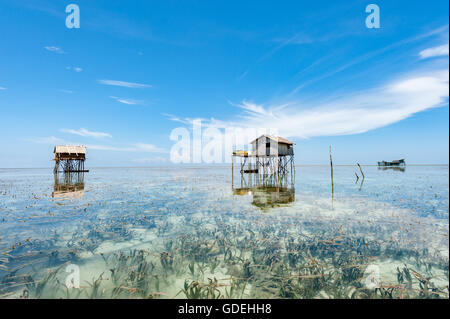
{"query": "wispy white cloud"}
(2, 88)
(126, 101)
(86, 133)
(435, 51)
(149, 148)
(253, 108)
(355, 113)
(47, 140)
(367, 56)
(176, 118)
(250, 107)
(301, 38)
(284, 43)
(190, 120)
(55, 49)
(151, 160)
(136, 147)
(66, 91)
(124, 84)
(75, 68)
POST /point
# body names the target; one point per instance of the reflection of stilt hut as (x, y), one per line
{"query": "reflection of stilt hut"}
(68, 185)
(267, 171)
(267, 191)
(269, 197)
(269, 155)
(69, 158)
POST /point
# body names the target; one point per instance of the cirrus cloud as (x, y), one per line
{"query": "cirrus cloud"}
(125, 100)
(135, 147)
(86, 133)
(54, 49)
(441, 50)
(355, 113)
(124, 84)
(75, 68)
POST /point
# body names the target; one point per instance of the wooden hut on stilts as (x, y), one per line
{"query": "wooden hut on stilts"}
(269, 155)
(69, 158)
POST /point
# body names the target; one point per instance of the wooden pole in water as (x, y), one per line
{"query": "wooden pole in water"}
(331, 166)
(361, 170)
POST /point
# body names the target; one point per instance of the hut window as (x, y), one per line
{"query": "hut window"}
(267, 144)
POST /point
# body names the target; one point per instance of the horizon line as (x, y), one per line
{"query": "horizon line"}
(202, 165)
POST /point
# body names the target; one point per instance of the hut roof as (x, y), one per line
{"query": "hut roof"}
(279, 139)
(69, 149)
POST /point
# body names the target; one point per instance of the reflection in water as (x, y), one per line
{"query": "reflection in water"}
(68, 185)
(392, 168)
(268, 191)
(269, 197)
(181, 233)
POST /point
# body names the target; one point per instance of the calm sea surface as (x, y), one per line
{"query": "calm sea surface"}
(208, 233)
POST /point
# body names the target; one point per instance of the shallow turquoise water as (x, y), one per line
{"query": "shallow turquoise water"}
(179, 228)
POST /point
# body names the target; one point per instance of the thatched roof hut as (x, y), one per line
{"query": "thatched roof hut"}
(69, 158)
(69, 152)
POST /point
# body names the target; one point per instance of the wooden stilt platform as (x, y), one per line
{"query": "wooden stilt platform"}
(70, 159)
(269, 155)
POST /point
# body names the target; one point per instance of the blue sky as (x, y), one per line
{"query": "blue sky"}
(135, 70)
